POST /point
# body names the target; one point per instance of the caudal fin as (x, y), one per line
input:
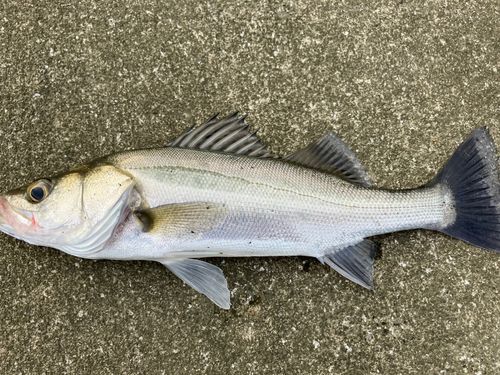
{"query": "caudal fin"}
(471, 175)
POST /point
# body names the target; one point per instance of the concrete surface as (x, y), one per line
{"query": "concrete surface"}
(402, 82)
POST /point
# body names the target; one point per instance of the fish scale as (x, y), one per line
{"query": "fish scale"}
(321, 213)
(215, 191)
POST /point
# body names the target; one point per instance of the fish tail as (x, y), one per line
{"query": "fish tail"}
(472, 178)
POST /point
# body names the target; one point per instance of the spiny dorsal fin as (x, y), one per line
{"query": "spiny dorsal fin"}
(354, 262)
(228, 135)
(329, 153)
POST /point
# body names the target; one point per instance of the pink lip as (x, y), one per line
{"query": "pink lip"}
(17, 220)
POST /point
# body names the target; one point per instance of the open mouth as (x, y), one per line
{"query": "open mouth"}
(20, 221)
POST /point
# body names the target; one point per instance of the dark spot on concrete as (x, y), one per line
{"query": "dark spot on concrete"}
(306, 265)
(255, 300)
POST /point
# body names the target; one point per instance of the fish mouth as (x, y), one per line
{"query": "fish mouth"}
(14, 221)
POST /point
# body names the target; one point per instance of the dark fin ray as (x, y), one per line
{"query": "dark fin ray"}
(202, 277)
(471, 175)
(355, 262)
(329, 153)
(192, 132)
(227, 135)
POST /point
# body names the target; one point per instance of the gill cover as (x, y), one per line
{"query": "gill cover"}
(106, 193)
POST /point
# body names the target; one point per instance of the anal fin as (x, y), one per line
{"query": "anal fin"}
(202, 277)
(354, 262)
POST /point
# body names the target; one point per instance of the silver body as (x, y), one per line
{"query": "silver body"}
(216, 192)
(275, 208)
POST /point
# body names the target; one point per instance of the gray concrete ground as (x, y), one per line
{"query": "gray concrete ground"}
(402, 82)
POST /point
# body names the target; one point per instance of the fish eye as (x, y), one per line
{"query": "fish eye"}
(39, 190)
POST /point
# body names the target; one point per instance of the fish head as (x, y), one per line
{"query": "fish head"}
(76, 212)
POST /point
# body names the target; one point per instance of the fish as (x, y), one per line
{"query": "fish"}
(216, 191)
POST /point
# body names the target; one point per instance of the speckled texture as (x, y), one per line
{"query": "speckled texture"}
(403, 83)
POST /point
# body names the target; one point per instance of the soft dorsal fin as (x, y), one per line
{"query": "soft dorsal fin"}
(227, 135)
(329, 153)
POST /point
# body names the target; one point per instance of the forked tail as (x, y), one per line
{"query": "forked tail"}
(471, 175)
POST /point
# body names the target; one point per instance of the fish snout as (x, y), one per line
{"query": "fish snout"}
(19, 220)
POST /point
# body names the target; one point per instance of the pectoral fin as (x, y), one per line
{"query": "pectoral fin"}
(190, 220)
(204, 278)
(182, 220)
